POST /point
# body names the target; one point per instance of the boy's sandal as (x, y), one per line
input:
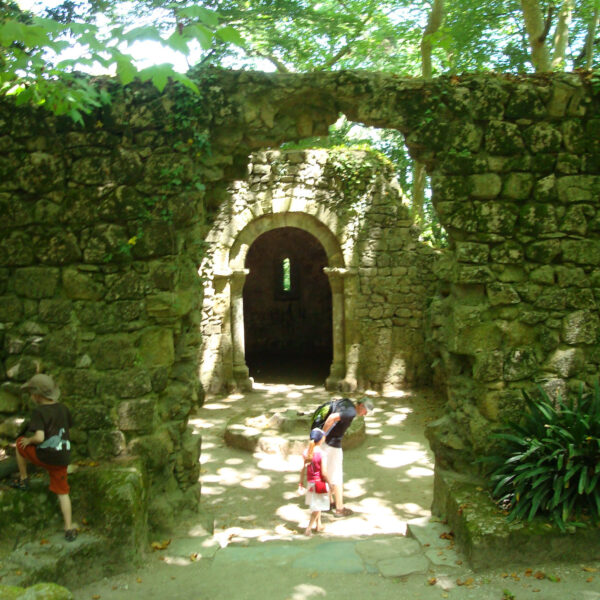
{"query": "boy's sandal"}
(345, 512)
(20, 484)
(71, 535)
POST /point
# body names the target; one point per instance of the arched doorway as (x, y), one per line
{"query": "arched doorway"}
(287, 308)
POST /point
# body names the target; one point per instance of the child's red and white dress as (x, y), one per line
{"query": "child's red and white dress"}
(316, 501)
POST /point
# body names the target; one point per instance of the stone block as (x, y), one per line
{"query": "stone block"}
(517, 186)
(137, 415)
(36, 282)
(580, 327)
(79, 285)
(112, 352)
(156, 347)
(543, 138)
(565, 362)
(10, 398)
(519, 363)
(485, 186)
(11, 309)
(502, 293)
(103, 444)
(582, 252)
(130, 383)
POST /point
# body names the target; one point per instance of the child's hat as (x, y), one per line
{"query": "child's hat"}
(316, 434)
(43, 385)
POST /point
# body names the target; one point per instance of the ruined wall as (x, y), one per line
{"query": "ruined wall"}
(103, 230)
(350, 201)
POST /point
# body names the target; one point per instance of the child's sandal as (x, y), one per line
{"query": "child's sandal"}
(20, 484)
(71, 535)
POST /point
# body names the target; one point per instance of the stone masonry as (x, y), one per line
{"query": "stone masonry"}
(104, 228)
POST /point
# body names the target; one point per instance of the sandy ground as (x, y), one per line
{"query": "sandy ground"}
(258, 550)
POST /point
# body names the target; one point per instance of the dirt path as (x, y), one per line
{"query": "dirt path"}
(388, 479)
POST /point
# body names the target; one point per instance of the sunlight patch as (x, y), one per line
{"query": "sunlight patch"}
(392, 458)
(419, 472)
(304, 591)
(260, 482)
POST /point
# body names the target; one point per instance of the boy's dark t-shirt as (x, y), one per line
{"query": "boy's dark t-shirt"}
(55, 421)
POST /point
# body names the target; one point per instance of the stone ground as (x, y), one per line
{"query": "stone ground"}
(391, 547)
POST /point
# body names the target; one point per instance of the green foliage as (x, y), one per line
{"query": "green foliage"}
(34, 70)
(549, 464)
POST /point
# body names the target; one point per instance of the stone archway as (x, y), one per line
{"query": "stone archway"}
(334, 271)
(287, 308)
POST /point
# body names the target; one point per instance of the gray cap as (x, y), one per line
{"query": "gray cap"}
(43, 385)
(367, 403)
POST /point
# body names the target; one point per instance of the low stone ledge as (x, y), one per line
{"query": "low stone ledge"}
(487, 539)
(281, 431)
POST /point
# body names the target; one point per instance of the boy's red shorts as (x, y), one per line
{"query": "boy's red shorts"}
(58, 473)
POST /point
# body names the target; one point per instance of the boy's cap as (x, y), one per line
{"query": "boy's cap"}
(43, 385)
(367, 403)
(316, 434)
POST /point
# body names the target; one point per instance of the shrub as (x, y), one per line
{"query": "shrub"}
(549, 463)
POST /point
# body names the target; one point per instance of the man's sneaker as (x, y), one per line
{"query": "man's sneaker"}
(20, 484)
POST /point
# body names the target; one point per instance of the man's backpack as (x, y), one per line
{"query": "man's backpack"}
(320, 415)
(322, 412)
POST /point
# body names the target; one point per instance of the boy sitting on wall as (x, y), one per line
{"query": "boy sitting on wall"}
(47, 444)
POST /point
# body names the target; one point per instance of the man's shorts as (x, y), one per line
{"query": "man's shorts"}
(58, 473)
(334, 463)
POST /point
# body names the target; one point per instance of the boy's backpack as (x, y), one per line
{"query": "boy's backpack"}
(322, 412)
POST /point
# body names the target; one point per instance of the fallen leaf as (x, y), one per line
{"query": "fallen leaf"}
(590, 569)
(432, 581)
(139, 580)
(528, 572)
(447, 535)
(553, 578)
(540, 575)
(160, 545)
(96, 597)
(459, 562)
(44, 542)
(194, 556)
(590, 579)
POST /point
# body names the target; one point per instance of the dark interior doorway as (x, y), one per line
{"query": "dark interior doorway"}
(287, 308)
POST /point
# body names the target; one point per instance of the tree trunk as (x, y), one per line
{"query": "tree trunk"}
(591, 36)
(536, 32)
(434, 22)
(561, 36)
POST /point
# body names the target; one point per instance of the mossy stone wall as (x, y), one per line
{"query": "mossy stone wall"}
(103, 231)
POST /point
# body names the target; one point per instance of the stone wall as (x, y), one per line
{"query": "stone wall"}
(104, 227)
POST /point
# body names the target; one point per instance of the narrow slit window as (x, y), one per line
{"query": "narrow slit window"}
(286, 280)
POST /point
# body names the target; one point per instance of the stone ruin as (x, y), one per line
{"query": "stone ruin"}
(126, 244)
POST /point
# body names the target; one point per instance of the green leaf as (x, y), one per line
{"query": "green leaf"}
(200, 33)
(178, 42)
(126, 71)
(142, 33)
(230, 35)
(206, 16)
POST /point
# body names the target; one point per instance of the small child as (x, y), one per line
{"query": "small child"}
(317, 488)
(47, 444)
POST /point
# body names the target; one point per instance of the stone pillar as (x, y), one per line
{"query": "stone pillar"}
(337, 371)
(241, 374)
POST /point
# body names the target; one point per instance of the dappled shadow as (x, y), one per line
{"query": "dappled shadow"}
(388, 479)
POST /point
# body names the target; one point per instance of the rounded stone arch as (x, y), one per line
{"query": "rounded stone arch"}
(335, 272)
(264, 223)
